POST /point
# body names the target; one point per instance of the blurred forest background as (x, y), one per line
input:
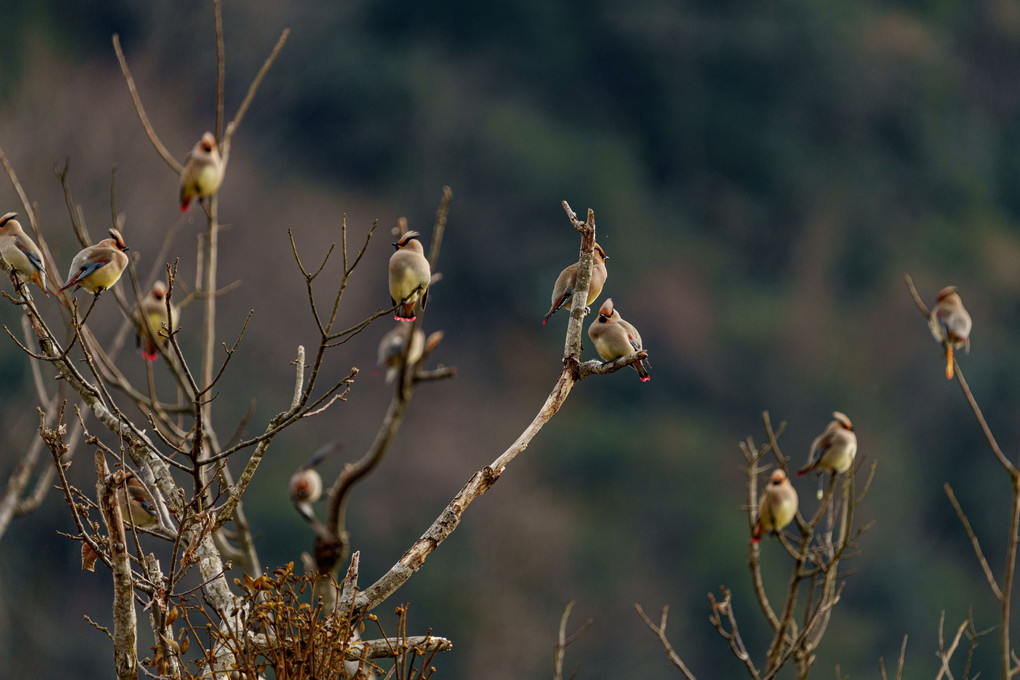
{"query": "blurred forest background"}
(762, 174)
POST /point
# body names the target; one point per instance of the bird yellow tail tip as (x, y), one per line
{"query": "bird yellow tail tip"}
(949, 363)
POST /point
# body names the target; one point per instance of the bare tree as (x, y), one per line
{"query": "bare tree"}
(825, 541)
(204, 624)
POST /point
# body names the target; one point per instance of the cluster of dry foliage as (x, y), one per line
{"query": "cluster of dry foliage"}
(311, 625)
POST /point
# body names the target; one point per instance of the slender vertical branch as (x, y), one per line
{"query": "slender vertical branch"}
(150, 132)
(579, 300)
(125, 629)
(221, 62)
(438, 228)
(563, 641)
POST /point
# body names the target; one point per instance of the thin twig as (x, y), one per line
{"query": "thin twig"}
(974, 541)
(150, 132)
(660, 632)
(562, 641)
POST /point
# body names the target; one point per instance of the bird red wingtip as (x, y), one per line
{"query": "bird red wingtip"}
(646, 378)
(801, 473)
(756, 539)
(150, 356)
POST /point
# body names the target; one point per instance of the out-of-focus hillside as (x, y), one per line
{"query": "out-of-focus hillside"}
(762, 174)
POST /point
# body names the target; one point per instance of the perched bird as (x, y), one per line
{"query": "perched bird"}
(136, 503)
(305, 486)
(21, 252)
(151, 316)
(409, 276)
(391, 349)
(614, 338)
(98, 267)
(950, 323)
(203, 171)
(834, 449)
(563, 289)
(778, 506)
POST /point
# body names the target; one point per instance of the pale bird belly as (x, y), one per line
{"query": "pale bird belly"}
(102, 278)
(208, 180)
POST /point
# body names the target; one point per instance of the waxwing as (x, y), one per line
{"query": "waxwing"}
(306, 484)
(151, 318)
(135, 503)
(950, 323)
(203, 171)
(98, 267)
(778, 506)
(391, 349)
(409, 276)
(21, 252)
(563, 289)
(834, 449)
(614, 338)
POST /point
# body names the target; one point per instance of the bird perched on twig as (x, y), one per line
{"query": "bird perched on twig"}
(834, 449)
(563, 289)
(203, 171)
(136, 504)
(950, 324)
(151, 317)
(98, 267)
(614, 338)
(21, 252)
(391, 349)
(778, 506)
(410, 274)
(306, 484)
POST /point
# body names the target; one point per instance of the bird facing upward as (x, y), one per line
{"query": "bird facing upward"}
(98, 267)
(834, 449)
(202, 173)
(778, 506)
(614, 338)
(151, 317)
(21, 252)
(409, 276)
(563, 289)
(950, 323)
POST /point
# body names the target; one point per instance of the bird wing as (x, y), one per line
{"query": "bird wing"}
(32, 257)
(86, 269)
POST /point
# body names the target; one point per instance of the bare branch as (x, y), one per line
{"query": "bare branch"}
(974, 541)
(252, 89)
(563, 641)
(440, 226)
(125, 633)
(150, 132)
(660, 632)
